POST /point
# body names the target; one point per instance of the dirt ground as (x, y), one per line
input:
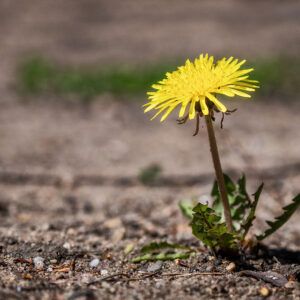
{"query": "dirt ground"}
(68, 173)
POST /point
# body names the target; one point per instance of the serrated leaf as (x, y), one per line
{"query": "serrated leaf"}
(155, 247)
(146, 257)
(162, 245)
(280, 220)
(241, 200)
(162, 256)
(249, 221)
(238, 198)
(187, 208)
(207, 227)
(129, 248)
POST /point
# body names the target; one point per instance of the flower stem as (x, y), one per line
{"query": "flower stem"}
(219, 172)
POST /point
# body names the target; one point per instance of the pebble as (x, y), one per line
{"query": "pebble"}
(118, 234)
(155, 267)
(160, 283)
(104, 272)
(104, 284)
(67, 245)
(231, 267)
(38, 262)
(292, 285)
(209, 268)
(296, 293)
(264, 291)
(113, 223)
(94, 263)
(86, 278)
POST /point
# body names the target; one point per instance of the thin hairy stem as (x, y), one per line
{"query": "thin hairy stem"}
(218, 170)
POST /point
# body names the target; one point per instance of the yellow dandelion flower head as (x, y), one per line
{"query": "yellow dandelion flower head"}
(197, 83)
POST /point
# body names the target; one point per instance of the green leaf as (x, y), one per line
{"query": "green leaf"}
(146, 257)
(249, 221)
(163, 245)
(162, 256)
(150, 175)
(207, 227)
(280, 220)
(129, 248)
(187, 208)
(154, 247)
(238, 199)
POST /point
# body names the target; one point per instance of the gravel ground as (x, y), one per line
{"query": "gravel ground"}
(66, 210)
(62, 244)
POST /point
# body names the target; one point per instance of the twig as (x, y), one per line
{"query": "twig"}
(143, 277)
(108, 278)
(193, 274)
(112, 277)
(271, 277)
(73, 261)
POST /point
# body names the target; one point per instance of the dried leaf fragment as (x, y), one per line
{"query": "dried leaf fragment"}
(271, 277)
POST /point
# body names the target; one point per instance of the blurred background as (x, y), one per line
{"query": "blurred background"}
(75, 146)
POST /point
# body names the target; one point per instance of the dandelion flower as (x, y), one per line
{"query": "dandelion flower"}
(195, 85)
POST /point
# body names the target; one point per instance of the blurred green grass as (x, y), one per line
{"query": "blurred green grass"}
(278, 77)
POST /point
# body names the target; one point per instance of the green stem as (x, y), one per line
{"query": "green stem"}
(219, 172)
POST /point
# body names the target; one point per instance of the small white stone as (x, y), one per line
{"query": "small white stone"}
(105, 284)
(155, 266)
(104, 272)
(94, 263)
(38, 262)
(85, 278)
(231, 267)
(67, 246)
(292, 285)
(209, 268)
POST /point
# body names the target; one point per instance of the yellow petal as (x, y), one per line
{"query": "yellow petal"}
(253, 81)
(203, 105)
(229, 60)
(192, 109)
(156, 86)
(183, 108)
(160, 111)
(218, 104)
(242, 88)
(242, 72)
(242, 94)
(247, 84)
(225, 92)
(168, 112)
(149, 107)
